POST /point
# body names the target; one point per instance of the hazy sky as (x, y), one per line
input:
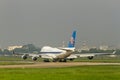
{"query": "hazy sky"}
(50, 22)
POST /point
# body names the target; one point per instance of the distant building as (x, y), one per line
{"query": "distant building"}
(84, 47)
(94, 47)
(10, 48)
(104, 47)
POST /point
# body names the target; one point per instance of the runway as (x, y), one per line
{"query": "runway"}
(55, 65)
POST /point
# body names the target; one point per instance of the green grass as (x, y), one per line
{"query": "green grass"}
(70, 73)
(14, 63)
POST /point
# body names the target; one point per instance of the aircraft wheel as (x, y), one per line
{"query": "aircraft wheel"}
(46, 60)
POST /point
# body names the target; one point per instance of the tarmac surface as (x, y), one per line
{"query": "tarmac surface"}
(55, 65)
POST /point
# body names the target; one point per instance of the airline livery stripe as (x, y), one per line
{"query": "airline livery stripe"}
(51, 52)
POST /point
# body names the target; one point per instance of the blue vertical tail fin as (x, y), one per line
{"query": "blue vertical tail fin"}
(71, 43)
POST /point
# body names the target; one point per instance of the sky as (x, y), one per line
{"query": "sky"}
(50, 22)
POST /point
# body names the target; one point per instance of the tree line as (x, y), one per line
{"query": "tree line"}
(95, 50)
(30, 48)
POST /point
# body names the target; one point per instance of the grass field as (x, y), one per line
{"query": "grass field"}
(69, 73)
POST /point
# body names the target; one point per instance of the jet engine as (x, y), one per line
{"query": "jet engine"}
(90, 57)
(24, 56)
(34, 58)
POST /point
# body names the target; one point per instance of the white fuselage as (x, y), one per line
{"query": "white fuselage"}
(52, 53)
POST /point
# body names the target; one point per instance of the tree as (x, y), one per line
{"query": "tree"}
(29, 48)
(6, 51)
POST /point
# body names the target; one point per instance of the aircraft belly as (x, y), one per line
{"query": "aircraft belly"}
(64, 55)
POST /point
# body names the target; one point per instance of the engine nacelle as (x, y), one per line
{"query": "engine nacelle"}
(24, 56)
(71, 59)
(34, 58)
(90, 57)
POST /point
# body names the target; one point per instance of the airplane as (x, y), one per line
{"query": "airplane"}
(55, 54)
(62, 54)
